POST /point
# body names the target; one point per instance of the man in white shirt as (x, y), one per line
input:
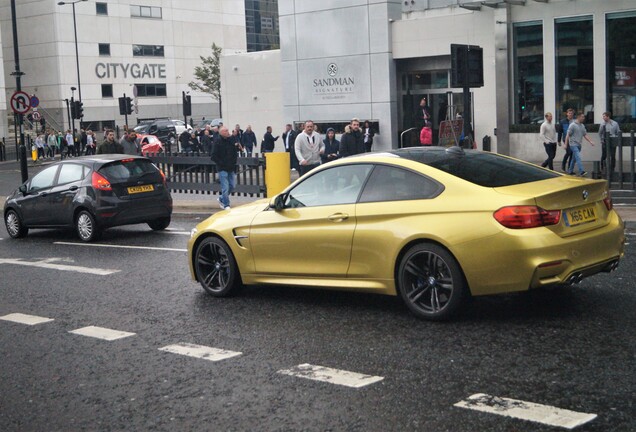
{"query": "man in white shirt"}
(548, 135)
(308, 148)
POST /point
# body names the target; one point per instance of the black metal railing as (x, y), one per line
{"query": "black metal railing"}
(196, 173)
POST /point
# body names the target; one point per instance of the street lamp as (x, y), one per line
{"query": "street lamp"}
(62, 3)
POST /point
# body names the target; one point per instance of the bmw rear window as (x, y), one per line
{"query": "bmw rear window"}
(128, 169)
(481, 168)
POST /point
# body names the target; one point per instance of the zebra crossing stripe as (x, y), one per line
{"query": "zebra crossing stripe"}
(25, 319)
(333, 376)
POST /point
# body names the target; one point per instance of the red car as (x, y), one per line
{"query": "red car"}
(150, 144)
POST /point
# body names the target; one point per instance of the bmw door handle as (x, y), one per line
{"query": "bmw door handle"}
(338, 217)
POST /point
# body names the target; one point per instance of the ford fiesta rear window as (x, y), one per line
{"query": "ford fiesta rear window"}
(481, 168)
(128, 169)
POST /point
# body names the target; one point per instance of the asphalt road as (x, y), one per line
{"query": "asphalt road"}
(571, 348)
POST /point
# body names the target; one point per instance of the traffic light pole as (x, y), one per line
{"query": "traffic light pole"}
(73, 122)
(18, 85)
(467, 116)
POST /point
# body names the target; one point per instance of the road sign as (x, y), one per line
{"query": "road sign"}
(20, 102)
(36, 115)
(450, 131)
(34, 101)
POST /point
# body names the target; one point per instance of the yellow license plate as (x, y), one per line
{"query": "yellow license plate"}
(579, 215)
(139, 189)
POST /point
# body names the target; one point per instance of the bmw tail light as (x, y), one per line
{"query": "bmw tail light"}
(99, 182)
(608, 201)
(520, 217)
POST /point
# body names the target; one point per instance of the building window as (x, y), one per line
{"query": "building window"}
(107, 90)
(148, 50)
(621, 66)
(101, 8)
(151, 90)
(145, 11)
(104, 49)
(528, 69)
(574, 66)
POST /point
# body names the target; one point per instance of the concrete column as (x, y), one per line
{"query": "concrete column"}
(502, 28)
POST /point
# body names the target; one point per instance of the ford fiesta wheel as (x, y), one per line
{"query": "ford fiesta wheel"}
(14, 225)
(86, 227)
(216, 267)
(431, 282)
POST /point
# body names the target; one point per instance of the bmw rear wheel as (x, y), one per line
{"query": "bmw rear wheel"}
(86, 227)
(14, 225)
(431, 282)
(216, 267)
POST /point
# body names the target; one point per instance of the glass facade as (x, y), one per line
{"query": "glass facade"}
(261, 25)
(528, 72)
(621, 66)
(574, 66)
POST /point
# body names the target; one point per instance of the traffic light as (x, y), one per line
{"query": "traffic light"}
(467, 66)
(129, 105)
(78, 109)
(73, 109)
(122, 105)
(187, 105)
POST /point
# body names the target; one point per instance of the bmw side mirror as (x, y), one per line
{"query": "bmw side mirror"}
(278, 202)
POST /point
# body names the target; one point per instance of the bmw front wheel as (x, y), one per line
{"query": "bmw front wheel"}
(431, 282)
(216, 267)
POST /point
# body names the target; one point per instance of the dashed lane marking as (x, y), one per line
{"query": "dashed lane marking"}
(120, 246)
(329, 375)
(101, 333)
(200, 351)
(530, 411)
(50, 264)
(25, 319)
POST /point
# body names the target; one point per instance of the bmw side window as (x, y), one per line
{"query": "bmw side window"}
(397, 184)
(70, 173)
(338, 185)
(43, 179)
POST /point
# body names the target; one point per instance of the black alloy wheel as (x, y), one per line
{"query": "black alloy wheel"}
(86, 227)
(14, 225)
(159, 224)
(216, 267)
(431, 282)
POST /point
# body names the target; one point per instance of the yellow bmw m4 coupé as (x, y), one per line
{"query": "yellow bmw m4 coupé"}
(432, 225)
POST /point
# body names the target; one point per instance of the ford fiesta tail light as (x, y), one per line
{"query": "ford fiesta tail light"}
(99, 182)
(521, 217)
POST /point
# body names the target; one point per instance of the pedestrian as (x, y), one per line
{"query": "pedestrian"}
(422, 114)
(39, 144)
(83, 140)
(90, 142)
(308, 147)
(248, 140)
(269, 141)
(289, 137)
(129, 143)
(70, 144)
(238, 132)
(225, 155)
(368, 133)
(332, 146)
(426, 135)
(77, 137)
(110, 146)
(352, 143)
(612, 127)
(184, 141)
(61, 144)
(548, 135)
(206, 141)
(562, 130)
(52, 142)
(573, 140)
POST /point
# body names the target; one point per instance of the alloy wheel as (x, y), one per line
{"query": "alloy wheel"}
(213, 267)
(13, 224)
(85, 226)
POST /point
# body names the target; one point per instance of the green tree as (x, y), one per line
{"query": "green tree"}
(208, 75)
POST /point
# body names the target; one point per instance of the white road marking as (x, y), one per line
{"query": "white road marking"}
(629, 234)
(25, 319)
(49, 264)
(200, 351)
(333, 376)
(120, 246)
(176, 232)
(101, 333)
(538, 413)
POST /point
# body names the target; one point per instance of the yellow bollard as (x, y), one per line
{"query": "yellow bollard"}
(277, 173)
(34, 153)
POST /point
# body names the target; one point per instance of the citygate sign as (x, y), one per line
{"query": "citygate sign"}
(133, 70)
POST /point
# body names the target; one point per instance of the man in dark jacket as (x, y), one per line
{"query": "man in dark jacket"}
(224, 155)
(248, 140)
(206, 141)
(110, 146)
(352, 143)
(289, 138)
(184, 141)
(268, 141)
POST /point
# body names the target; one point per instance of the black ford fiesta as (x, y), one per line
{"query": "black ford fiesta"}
(90, 194)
